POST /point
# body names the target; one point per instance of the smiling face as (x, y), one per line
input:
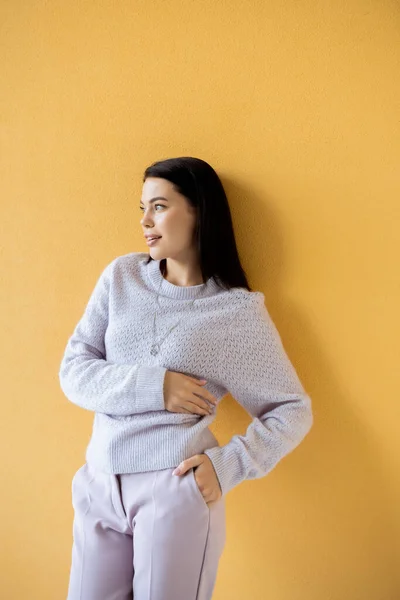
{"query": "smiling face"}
(167, 214)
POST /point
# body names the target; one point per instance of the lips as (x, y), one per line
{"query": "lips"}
(153, 240)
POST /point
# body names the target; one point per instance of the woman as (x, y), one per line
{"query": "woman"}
(163, 338)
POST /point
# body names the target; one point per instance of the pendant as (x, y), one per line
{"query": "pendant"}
(154, 349)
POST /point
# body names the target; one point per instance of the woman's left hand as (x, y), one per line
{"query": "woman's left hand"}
(205, 476)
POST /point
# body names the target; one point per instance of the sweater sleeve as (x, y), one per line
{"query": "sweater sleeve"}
(259, 375)
(91, 381)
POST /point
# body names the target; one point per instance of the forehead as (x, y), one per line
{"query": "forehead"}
(155, 186)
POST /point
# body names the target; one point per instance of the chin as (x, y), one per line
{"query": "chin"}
(156, 254)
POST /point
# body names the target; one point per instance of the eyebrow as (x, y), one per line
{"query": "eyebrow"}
(156, 198)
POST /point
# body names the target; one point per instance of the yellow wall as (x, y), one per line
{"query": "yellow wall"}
(296, 104)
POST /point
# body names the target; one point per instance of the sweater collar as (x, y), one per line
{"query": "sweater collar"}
(177, 291)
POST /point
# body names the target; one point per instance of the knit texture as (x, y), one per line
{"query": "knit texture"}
(226, 337)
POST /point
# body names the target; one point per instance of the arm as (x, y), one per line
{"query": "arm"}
(90, 381)
(260, 376)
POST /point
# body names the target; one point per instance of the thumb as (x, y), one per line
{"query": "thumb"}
(187, 464)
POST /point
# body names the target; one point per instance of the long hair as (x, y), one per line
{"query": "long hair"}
(214, 236)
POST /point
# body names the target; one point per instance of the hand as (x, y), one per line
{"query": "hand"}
(184, 394)
(205, 476)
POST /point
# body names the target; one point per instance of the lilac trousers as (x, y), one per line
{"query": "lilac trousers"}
(147, 536)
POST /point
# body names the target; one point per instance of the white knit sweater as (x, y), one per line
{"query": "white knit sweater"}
(225, 337)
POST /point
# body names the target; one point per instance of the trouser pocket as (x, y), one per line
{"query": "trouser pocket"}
(81, 498)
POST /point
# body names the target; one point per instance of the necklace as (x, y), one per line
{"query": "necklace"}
(155, 347)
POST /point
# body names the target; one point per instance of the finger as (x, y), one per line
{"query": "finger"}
(187, 464)
(211, 497)
(206, 395)
(198, 410)
(181, 409)
(199, 401)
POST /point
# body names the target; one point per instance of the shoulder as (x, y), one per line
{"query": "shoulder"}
(251, 318)
(247, 304)
(129, 260)
(122, 264)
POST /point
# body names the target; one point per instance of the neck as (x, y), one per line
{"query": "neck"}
(165, 288)
(182, 274)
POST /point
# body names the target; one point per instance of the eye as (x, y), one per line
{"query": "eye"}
(162, 206)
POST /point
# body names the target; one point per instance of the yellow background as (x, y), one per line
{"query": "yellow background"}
(296, 105)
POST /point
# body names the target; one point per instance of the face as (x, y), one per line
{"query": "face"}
(167, 214)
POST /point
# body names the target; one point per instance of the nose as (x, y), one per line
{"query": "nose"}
(145, 221)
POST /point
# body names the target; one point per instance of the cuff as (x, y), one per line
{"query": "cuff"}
(225, 465)
(150, 388)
